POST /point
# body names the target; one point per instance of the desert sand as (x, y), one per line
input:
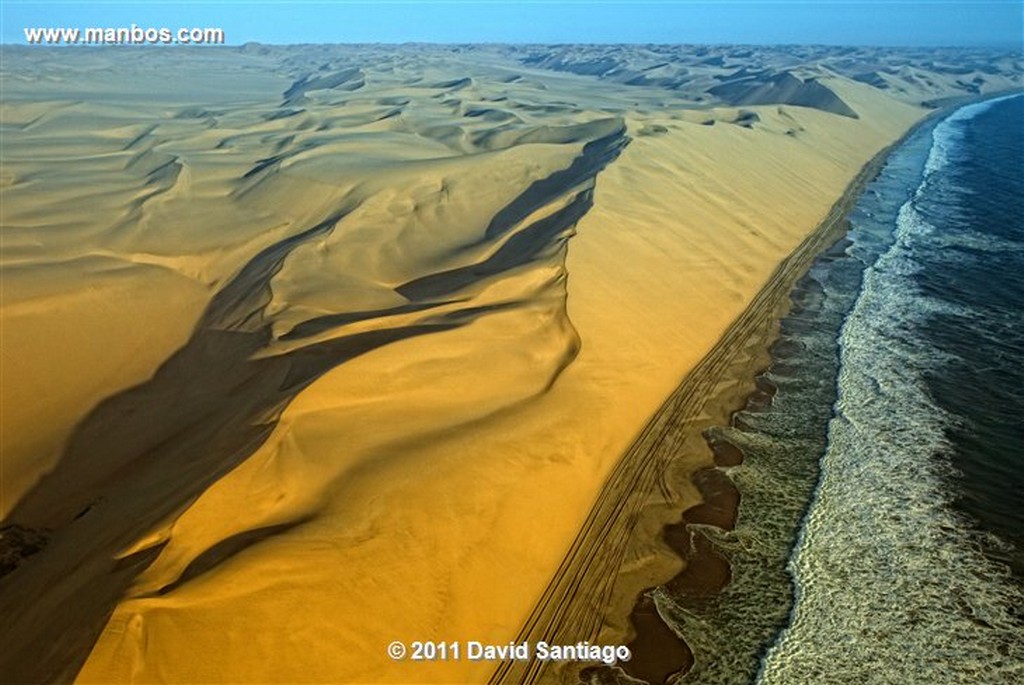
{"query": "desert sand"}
(309, 349)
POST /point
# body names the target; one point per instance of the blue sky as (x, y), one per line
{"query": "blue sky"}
(999, 23)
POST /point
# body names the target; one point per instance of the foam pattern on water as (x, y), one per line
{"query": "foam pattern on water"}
(950, 133)
(783, 444)
(892, 585)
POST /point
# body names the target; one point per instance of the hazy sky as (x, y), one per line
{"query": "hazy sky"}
(999, 23)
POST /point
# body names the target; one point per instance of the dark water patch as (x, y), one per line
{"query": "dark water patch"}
(718, 508)
(974, 266)
(659, 655)
(726, 453)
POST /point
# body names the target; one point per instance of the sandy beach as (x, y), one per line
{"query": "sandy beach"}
(311, 349)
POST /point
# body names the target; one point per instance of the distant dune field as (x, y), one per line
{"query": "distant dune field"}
(309, 349)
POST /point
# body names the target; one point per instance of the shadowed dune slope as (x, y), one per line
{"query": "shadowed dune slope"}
(782, 89)
(388, 246)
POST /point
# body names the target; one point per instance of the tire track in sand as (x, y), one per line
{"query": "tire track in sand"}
(573, 606)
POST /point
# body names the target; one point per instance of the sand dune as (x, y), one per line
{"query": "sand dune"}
(783, 88)
(324, 347)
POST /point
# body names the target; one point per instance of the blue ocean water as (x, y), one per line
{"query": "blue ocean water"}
(908, 563)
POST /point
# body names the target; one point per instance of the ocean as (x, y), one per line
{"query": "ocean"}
(880, 536)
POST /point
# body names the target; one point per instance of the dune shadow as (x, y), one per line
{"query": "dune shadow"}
(145, 454)
(142, 456)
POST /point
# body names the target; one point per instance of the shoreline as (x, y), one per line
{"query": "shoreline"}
(904, 365)
(708, 395)
(707, 572)
(588, 588)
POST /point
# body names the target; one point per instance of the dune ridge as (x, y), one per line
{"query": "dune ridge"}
(119, 457)
(574, 605)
